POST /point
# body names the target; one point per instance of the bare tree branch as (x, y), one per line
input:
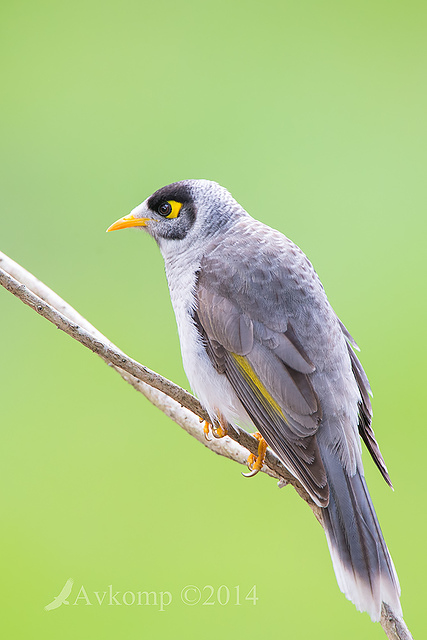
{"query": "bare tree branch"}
(174, 401)
(394, 626)
(49, 305)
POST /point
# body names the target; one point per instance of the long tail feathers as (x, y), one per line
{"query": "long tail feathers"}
(362, 563)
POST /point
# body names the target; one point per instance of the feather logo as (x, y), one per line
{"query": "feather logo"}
(62, 597)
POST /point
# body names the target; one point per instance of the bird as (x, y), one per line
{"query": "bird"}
(62, 597)
(262, 346)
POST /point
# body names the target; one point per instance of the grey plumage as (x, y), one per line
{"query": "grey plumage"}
(262, 345)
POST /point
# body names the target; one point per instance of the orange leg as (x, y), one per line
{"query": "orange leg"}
(255, 462)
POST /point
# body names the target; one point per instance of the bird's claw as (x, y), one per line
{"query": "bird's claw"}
(219, 430)
(255, 462)
(206, 428)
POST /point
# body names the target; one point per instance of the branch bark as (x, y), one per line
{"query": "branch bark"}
(174, 401)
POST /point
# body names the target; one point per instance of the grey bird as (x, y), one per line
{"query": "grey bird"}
(262, 347)
(61, 598)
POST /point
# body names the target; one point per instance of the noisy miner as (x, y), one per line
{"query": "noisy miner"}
(262, 346)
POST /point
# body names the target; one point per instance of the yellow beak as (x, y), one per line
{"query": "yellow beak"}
(128, 221)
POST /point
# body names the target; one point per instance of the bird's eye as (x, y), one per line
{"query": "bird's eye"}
(169, 209)
(164, 209)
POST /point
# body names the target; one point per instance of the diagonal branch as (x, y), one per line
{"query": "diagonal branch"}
(174, 401)
(48, 304)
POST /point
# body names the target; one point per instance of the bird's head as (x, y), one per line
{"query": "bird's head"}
(183, 211)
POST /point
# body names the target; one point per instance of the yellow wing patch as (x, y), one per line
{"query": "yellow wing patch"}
(256, 384)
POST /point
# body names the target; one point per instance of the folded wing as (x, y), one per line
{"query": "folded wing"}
(270, 373)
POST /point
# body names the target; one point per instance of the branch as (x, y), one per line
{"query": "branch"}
(177, 403)
(174, 401)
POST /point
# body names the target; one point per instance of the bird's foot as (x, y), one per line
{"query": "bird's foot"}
(206, 428)
(219, 428)
(255, 462)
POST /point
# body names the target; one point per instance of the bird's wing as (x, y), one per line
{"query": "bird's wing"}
(270, 373)
(365, 410)
(52, 605)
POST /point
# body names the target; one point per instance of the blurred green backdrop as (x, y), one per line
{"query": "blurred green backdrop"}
(314, 115)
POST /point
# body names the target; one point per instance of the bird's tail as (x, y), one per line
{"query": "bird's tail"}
(362, 563)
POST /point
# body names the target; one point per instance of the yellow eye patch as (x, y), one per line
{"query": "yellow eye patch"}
(176, 208)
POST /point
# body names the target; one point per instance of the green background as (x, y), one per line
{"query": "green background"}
(314, 115)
